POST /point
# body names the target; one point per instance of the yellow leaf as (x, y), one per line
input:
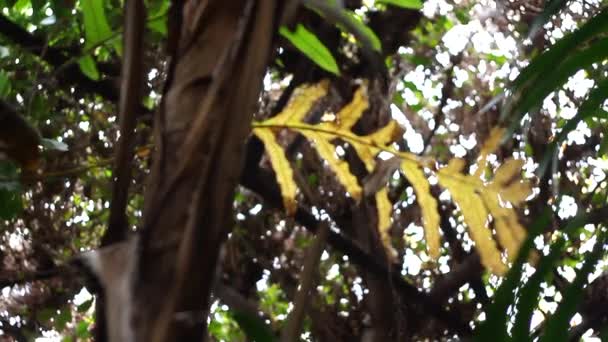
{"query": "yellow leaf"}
(508, 184)
(475, 216)
(509, 170)
(489, 147)
(300, 103)
(492, 142)
(386, 134)
(464, 190)
(349, 115)
(479, 202)
(385, 210)
(282, 169)
(327, 151)
(517, 192)
(142, 151)
(427, 203)
(509, 232)
(366, 145)
(455, 165)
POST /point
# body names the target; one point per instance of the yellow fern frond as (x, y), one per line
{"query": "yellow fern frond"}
(281, 167)
(348, 116)
(366, 146)
(301, 101)
(481, 203)
(427, 203)
(508, 230)
(493, 141)
(506, 172)
(489, 146)
(507, 182)
(465, 192)
(384, 209)
(327, 151)
(508, 187)
(478, 202)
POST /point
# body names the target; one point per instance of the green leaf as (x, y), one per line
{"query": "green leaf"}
(495, 327)
(347, 21)
(38, 8)
(557, 326)
(591, 107)
(89, 67)
(44, 315)
(543, 64)
(158, 18)
(412, 4)
(9, 3)
(54, 145)
(85, 306)
(96, 27)
(369, 34)
(533, 95)
(462, 15)
(551, 69)
(10, 191)
(551, 8)
(65, 316)
(5, 84)
(308, 43)
(529, 98)
(528, 298)
(61, 8)
(21, 5)
(82, 330)
(254, 327)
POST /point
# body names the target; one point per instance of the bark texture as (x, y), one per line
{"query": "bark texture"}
(218, 63)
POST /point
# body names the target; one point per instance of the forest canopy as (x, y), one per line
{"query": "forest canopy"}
(245, 170)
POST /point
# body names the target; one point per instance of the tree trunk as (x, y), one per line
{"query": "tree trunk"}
(212, 90)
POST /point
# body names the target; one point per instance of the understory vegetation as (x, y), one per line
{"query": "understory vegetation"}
(389, 170)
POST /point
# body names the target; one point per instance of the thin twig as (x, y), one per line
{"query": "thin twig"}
(291, 331)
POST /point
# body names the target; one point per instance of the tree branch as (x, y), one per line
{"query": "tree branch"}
(292, 328)
(129, 110)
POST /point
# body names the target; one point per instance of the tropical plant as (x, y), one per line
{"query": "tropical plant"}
(412, 170)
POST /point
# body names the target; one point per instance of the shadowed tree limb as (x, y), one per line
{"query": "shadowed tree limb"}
(206, 112)
(129, 110)
(291, 331)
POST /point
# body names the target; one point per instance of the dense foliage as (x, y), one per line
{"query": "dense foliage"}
(491, 224)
